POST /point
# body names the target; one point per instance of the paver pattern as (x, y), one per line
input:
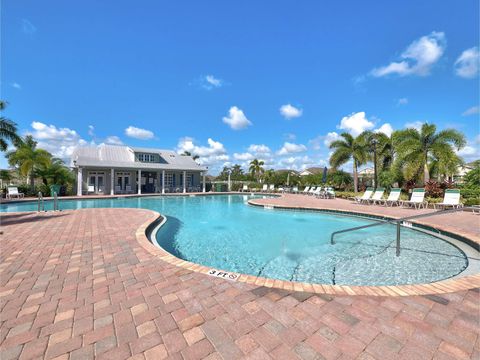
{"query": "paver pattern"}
(78, 285)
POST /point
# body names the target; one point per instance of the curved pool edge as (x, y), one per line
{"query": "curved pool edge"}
(148, 229)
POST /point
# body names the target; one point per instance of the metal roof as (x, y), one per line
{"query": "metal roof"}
(122, 156)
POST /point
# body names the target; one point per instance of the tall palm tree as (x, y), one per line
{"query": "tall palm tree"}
(54, 172)
(27, 157)
(418, 148)
(346, 149)
(8, 130)
(188, 153)
(256, 168)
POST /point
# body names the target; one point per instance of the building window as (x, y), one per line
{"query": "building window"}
(146, 157)
(169, 180)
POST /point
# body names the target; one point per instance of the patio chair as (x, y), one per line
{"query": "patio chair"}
(13, 192)
(295, 190)
(417, 199)
(312, 190)
(91, 188)
(377, 195)
(245, 188)
(365, 197)
(330, 193)
(451, 198)
(393, 198)
(306, 190)
(271, 188)
(128, 189)
(265, 188)
(118, 189)
(318, 192)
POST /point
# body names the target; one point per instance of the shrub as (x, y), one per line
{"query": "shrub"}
(433, 189)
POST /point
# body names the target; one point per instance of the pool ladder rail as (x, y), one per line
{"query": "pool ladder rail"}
(41, 204)
(399, 222)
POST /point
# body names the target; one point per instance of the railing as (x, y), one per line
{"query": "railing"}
(398, 222)
(41, 206)
(55, 201)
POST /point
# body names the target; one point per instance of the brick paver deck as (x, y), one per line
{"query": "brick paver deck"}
(78, 285)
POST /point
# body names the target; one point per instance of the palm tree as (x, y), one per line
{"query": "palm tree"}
(417, 148)
(188, 153)
(54, 173)
(28, 158)
(346, 149)
(256, 168)
(8, 130)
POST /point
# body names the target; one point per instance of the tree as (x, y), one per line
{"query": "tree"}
(224, 173)
(269, 176)
(236, 172)
(339, 179)
(418, 148)
(27, 158)
(55, 172)
(188, 153)
(5, 176)
(346, 149)
(8, 130)
(256, 168)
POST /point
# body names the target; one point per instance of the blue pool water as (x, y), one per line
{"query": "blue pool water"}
(226, 233)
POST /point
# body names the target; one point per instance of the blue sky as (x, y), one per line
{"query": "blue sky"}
(232, 81)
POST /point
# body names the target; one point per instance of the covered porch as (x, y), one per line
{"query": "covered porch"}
(116, 181)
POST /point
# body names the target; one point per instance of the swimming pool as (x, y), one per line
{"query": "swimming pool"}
(224, 232)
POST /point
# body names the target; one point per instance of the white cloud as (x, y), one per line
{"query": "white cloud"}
(213, 155)
(316, 143)
(210, 82)
(259, 149)
(402, 101)
(60, 142)
(243, 156)
(289, 111)
(471, 111)
(236, 119)
(355, 123)
(471, 151)
(138, 133)
(91, 130)
(415, 125)
(418, 58)
(16, 85)
(290, 137)
(386, 129)
(290, 148)
(113, 140)
(468, 63)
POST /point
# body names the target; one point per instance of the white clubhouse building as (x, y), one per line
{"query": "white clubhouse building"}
(119, 169)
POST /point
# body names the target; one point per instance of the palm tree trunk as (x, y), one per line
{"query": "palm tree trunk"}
(426, 173)
(32, 181)
(355, 176)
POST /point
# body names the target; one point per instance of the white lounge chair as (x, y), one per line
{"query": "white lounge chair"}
(245, 188)
(318, 192)
(377, 195)
(312, 190)
(365, 197)
(295, 190)
(271, 188)
(330, 193)
(91, 188)
(417, 199)
(264, 188)
(451, 198)
(306, 190)
(13, 192)
(393, 198)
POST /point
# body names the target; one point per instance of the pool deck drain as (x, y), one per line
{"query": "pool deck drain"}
(78, 285)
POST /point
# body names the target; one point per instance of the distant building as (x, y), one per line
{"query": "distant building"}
(312, 171)
(463, 170)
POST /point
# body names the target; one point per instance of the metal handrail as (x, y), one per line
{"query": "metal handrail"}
(41, 206)
(398, 222)
(55, 201)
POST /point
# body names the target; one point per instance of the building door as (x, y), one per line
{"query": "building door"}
(96, 182)
(123, 182)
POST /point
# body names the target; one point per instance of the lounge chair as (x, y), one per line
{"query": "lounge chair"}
(377, 195)
(281, 189)
(312, 190)
(417, 199)
(306, 190)
(451, 198)
(365, 197)
(295, 190)
(245, 188)
(330, 193)
(265, 188)
(393, 198)
(91, 188)
(271, 188)
(13, 192)
(318, 192)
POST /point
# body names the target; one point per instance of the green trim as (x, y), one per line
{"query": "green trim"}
(419, 190)
(452, 191)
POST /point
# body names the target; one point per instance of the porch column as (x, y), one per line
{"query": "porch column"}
(79, 181)
(139, 181)
(203, 181)
(184, 182)
(158, 182)
(112, 181)
(163, 181)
